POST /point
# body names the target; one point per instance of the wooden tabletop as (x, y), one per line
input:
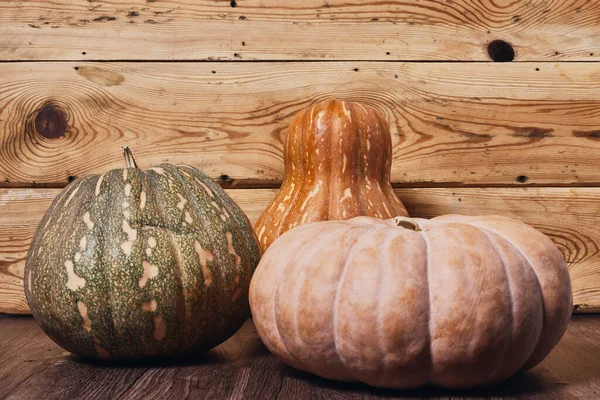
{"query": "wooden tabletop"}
(33, 367)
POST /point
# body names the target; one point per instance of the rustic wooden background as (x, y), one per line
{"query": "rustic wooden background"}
(214, 84)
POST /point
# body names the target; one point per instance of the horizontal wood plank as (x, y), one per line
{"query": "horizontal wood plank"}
(538, 30)
(451, 123)
(32, 367)
(569, 216)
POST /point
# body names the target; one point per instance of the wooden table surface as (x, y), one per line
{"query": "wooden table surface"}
(33, 367)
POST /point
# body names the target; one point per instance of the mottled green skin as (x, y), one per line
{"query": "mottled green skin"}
(197, 317)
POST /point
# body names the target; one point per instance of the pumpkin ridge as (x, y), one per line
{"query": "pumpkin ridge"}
(185, 315)
(111, 262)
(305, 184)
(423, 234)
(351, 251)
(75, 211)
(358, 166)
(542, 301)
(243, 223)
(500, 255)
(234, 223)
(182, 298)
(300, 252)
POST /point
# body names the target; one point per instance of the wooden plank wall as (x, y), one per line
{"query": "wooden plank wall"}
(214, 84)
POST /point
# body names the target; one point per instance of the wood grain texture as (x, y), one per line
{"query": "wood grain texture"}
(451, 123)
(569, 216)
(545, 30)
(242, 368)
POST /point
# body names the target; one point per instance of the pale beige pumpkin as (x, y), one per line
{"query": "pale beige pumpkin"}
(338, 159)
(455, 301)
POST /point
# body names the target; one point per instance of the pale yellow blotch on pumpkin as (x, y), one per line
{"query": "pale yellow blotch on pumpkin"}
(127, 214)
(127, 247)
(386, 209)
(100, 351)
(83, 243)
(125, 204)
(77, 257)
(87, 322)
(29, 281)
(88, 221)
(149, 306)
(346, 111)
(73, 193)
(142, 200)
(205, 256)
(158, 170)
(347, 194)
(148, 251)
(152, 242)
(125, 174)
(206, 188)
(231, 249)
(182, 201)
(150, 272)
(127, 189)
(74, 282)
(262, 232)
(215, 205)
(311, 194)
(160, 328)
(225, 213)
(98, 185)
(289, 196)
(320, 116)
(188, 218)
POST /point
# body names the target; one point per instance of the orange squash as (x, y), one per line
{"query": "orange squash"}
(455, 301)
(338, 159)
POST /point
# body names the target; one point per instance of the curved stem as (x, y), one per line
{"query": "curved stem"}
(407, 223)
(129, 160)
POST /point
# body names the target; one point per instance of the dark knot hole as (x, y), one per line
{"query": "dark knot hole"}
(501, 51)
(51, 121)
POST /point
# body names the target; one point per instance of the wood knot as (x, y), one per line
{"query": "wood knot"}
(501, 51)
(51, 121)
(225, 178)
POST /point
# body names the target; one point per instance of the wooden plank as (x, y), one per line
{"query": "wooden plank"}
(569, 216)
(452, 124)
(242, 368)
(547, 30)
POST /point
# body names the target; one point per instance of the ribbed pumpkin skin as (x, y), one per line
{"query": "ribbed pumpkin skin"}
(338, 159)
(465, 302)
(133, 264)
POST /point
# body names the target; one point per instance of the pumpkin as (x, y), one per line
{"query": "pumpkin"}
(337, 160)
(137, 263)
(454, 301)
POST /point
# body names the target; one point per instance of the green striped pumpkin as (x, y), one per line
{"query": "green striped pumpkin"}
(135, 263)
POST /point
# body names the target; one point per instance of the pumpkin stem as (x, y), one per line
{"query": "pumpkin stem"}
(129, 160)
(407, 223)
